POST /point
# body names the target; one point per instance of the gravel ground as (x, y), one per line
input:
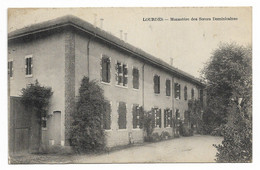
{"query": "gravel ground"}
(185, 149)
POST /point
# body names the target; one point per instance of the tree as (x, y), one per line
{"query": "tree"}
(36, 97)
(229, 76)
(229, 93)
(87, 133)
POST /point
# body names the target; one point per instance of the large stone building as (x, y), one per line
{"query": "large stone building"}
(58, 53)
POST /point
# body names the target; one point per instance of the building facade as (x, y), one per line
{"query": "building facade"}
(60, 52)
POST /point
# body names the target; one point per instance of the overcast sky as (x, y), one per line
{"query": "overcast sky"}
(189, 43)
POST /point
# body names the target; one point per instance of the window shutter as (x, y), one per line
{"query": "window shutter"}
(155, 83)
(103, 65)
(26, 66)
(176, 90)
(135, 78)
(122, 115)
(179, 91)
(168, 87)
(108, 70)
(171, 118)
(125, 77)
(165, 118)
(153, 117)
(134, 117)
(141, 116)
(159, 84)
(107, 116)
(160, 118)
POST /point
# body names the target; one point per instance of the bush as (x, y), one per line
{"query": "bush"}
(87, 133)
(165, 135)
(155, 137)
(237, 143)
(148, 125)
(185, 131)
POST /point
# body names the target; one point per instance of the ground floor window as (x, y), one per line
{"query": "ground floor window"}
(177, 118)
(107, 116)
(122, 115)
(137, 116)
(167, 118)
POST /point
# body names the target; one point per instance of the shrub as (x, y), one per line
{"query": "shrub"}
(185, 130)
(237, 143)
(148, 125)
(165, 135)
(155, 137)
(87, 134)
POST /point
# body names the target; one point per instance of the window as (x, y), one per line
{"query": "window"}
(177, 91)
(167, 118)
(156, 80)
(10, 68)
(105, 69)
(135, 78)
(107, 116)
(122, 115)
(28, 65)
(168, 87)
(185, 93)
(177, 118)
(192, 93)
(177, 114)
(121, 74)
(157, 117)
(137, 116)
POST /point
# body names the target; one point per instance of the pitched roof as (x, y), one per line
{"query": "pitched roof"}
(80, 24)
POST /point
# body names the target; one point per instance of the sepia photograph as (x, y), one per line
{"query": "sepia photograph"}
(105, 85)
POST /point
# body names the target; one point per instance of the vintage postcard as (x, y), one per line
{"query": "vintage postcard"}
(130, 85)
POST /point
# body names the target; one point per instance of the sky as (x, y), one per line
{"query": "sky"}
(189, 43)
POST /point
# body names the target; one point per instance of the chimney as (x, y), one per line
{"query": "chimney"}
(125, 37)
(101, 23)
(121, 34)
(171, 61)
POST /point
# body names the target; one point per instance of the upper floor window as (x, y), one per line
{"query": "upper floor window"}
(28, 65)
(177, 91)
(121, 74)
(105, 69)
(107, 116)
(135, 78)
(185, 93)
(168, 87)
(156, 80)
(10, 68)
(192, 93)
